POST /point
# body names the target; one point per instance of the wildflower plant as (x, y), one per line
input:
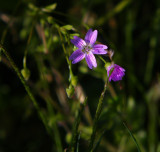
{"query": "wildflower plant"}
(87, 48)
(65, 112)
(115, 72)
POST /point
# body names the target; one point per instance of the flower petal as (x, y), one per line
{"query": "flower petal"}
(75, 54)
(78, 42)
(100, 46)
(91, 37)
(97, 51)
(117, 72)
(109, 68)
(91, 60)
(78, 58)
(88, 36)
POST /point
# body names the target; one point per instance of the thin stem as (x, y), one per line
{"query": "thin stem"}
(20, 77)
(57, 137)
(134, 139)
(75, 127)
(11, 19)
(35, 103)
(102, 59)
(95, 123)
(54, 132)
(65, 52)
(28, 41)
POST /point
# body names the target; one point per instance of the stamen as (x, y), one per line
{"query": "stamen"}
(87, 48)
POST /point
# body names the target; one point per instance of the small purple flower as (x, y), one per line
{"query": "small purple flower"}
(115, 72)
(87, 48)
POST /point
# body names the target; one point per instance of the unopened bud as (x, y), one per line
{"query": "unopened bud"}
(110, 53)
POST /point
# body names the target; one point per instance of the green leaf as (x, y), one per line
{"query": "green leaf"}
(68, 27)
(99, 140)
(26, 73)
(134, 139)
(50, 19)
(32, 7)
(74, 80)
(75, 34)
(70, 91)
(68, 137)
(49, 8)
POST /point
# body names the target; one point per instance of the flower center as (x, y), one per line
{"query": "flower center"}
(87, 48)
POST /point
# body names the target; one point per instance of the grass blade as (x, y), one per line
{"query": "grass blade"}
(134, 139)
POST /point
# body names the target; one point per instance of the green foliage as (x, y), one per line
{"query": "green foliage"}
(50, 113)
(26, 73)
(49, 8)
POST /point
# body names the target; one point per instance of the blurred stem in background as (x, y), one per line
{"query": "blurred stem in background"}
(134, 139)
(152, 99)
(56, 136)
(117, 9)
(153, 44)
(75, 133)
(10, 21)
(96, 118)
(131, 27)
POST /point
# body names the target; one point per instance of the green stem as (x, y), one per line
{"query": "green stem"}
(102, 59)
(56, 137)
(95, 123)
(65, 52)
(35, 103)
(42, 116)
(28, 41)
(54, 132)
(11, 19)
(134, 139)
(75, 128)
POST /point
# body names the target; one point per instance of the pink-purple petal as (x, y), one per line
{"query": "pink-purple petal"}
(117, 73)
(78, 42)
(88, 36)
(93, 37)
(98, 51)
(91, 60)
(100, 46)
(109, 68)
(78, 58)
(75, 54)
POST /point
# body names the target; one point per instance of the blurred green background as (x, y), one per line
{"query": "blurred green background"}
(34, 35)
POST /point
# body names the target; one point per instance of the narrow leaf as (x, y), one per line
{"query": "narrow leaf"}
(134, 139)
(99, 140)
(49, 8)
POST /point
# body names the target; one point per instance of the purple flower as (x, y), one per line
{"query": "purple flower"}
(87, 48)
(115, 72)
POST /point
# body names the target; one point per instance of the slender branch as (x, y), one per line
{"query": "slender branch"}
(76, 125)
(65, 52)
(134, 139)
(97, 115)
(35, 103)
(102, 59)
(54, 126)
(10, 21)
(28, 41)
